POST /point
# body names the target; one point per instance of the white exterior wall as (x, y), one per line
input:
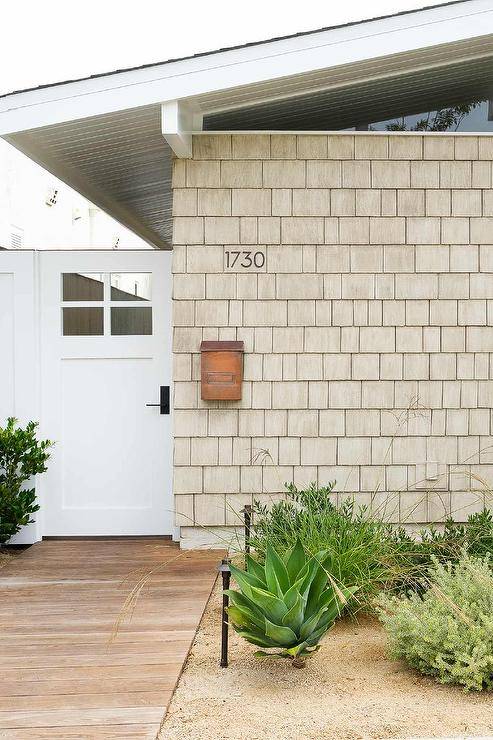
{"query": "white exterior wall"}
(72, 223)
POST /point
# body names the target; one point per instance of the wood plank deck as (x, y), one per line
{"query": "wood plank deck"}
(62, 676)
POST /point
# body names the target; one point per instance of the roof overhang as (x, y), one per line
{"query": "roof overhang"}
(112, 137)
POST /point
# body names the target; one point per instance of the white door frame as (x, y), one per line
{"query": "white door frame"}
(22, 355)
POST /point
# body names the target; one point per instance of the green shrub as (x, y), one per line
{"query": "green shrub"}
(361, 551)
(447, 545)
(287, 604)
(21, 457)
(448, 631)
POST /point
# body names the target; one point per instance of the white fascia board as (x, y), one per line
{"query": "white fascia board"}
(248, 65)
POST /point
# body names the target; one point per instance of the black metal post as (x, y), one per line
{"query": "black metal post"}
(247, 514)
(226, 576)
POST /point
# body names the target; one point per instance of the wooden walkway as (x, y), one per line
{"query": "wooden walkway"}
(60, 675)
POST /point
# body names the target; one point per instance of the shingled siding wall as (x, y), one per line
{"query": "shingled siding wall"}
(376, 297)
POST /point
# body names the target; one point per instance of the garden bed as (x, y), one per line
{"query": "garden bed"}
(350, 689)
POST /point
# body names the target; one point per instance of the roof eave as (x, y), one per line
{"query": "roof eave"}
(243, 66)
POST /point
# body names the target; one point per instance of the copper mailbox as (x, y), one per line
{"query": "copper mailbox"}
(221, 371)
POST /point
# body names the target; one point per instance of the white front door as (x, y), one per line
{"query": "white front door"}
(105, 344)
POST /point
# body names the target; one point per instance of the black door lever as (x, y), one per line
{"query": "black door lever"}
(163, 400)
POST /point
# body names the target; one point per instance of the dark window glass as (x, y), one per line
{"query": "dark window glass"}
(79, 287)
(473, 115)
(130, 286)
(126, 321)
(83, 322)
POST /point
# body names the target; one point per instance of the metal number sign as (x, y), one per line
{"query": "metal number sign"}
(237, 260)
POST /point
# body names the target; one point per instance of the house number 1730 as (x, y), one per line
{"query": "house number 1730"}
(244, 260)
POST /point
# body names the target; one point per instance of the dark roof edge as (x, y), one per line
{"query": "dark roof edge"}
(234, 48)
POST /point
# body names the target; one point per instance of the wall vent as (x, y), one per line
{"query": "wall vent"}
(51, 197)
(16, 238)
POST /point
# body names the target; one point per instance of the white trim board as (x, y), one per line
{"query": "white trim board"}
(328, 132)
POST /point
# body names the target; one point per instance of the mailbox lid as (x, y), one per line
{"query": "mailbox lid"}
(225, 346)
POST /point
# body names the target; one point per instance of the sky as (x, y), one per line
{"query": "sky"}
(44, 42)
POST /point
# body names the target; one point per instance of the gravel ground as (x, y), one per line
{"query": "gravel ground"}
(350, 689)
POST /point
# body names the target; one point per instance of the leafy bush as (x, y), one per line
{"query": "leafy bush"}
(288, 604)
(21, 457)
(448, 631)
(361, 551)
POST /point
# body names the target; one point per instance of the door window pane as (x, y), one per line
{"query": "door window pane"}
(125, 321)
(130, 286)
(77, 286)
(83, 322)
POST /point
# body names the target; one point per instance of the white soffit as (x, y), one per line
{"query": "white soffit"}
(102, 135)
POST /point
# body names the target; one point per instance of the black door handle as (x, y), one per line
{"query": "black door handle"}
(163, 400)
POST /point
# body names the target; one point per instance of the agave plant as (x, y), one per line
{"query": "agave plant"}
(289, 603)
